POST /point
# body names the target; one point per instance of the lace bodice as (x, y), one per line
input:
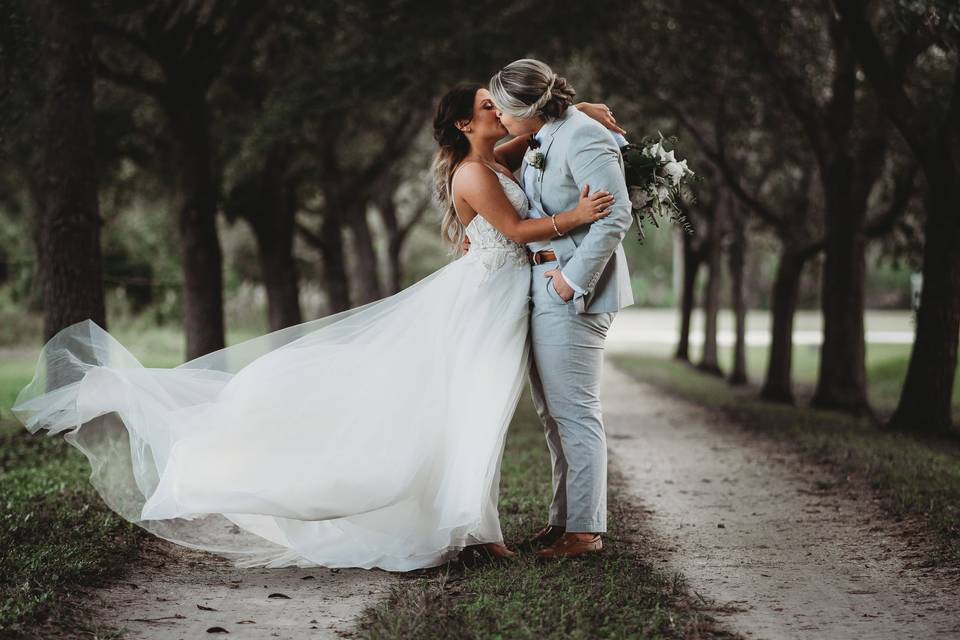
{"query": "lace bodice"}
(489, 245)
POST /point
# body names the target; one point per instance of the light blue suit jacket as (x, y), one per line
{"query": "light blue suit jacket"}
(577, 151)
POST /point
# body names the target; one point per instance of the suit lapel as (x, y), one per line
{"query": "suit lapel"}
(544, 148)
(549, 131)
(523, 176)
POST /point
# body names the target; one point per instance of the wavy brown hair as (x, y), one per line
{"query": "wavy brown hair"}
(455, 106)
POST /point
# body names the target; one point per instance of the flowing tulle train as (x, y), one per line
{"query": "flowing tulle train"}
(371, 438)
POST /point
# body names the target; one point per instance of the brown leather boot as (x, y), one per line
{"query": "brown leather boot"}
(478, 554)
(572, 545)
(543, 538)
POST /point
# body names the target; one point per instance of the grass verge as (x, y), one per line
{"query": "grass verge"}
(916, 477)
(55, 536)
(614, 595)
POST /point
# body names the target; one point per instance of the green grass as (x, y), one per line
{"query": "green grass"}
(615, 595)
(886, 368)
(14, 375)
(55, 532)
(915, 477)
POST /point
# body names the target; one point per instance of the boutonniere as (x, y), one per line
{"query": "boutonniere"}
(533, 156)
(535, 159)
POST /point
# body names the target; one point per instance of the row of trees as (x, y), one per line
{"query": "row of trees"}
(832, 125)
(294, 117)
(826, 125)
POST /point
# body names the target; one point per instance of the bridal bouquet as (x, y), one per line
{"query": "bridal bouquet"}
(656, 179)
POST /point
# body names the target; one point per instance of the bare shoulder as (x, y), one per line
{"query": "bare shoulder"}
(473, 177)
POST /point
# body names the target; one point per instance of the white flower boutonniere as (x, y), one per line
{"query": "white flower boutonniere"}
(534, 158)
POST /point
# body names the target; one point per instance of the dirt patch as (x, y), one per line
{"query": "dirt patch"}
(764, 535)
(174, 592)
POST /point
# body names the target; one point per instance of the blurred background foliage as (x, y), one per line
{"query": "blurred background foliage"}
(260, 164)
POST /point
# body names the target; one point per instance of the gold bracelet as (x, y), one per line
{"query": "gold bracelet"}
(553, 219)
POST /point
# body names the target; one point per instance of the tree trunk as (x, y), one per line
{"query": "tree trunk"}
(841, 382)
(735, 260)
(778, 385)
(926, 399)
(691, 265)
(334, 265)
(395, 240)
(68, 250)
(394, 253)
(709, 361)
(201, 257)
(279, 271)
(367, 270)
(271, 212)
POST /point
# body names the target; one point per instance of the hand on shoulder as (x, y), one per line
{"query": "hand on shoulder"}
(586, 127)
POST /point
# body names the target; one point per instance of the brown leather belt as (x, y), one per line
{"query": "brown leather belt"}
(543, 256)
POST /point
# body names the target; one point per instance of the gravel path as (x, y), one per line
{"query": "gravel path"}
(175, 592)
(753, 531)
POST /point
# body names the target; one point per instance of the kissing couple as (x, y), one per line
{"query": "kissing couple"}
(373, 437)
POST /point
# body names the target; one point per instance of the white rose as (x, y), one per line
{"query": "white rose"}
(674, 171)
(669, 157)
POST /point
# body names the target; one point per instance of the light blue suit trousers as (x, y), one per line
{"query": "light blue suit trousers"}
(565, 381)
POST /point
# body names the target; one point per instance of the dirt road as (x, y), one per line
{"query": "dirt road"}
(175, 592)
(758, 532)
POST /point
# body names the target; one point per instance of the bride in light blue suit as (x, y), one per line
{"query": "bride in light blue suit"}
(579, 281)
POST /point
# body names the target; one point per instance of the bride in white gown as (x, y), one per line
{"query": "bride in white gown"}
(370, 438)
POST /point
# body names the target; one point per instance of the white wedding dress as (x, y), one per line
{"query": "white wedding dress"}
(370, 438)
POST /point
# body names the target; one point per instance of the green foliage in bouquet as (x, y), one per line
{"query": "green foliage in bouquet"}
(658, 183)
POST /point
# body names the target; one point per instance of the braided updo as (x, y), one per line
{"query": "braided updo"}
(527, 88)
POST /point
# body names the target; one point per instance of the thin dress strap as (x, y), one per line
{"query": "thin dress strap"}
(453, 201)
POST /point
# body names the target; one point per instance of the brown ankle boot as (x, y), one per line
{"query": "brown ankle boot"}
(572, 545)
(479, 554)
